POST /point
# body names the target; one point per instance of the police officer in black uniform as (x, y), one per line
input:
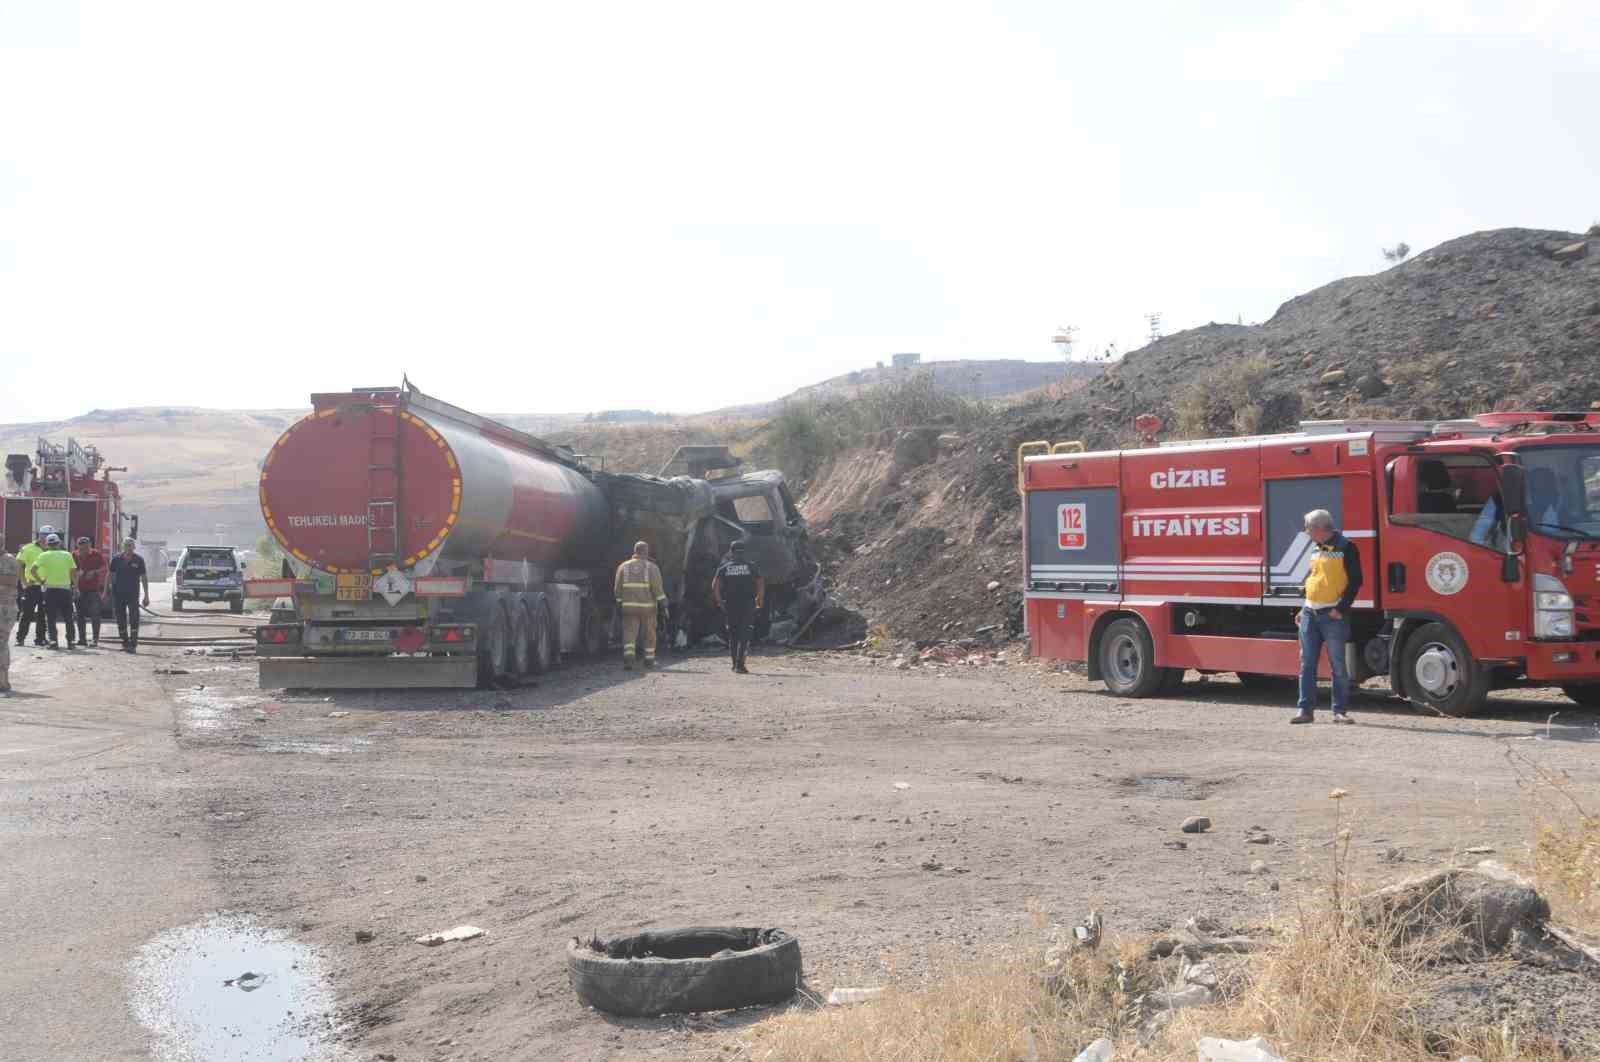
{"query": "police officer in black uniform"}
(738, 590)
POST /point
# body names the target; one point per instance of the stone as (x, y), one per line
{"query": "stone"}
(365, 936)
(1195, 824)
(433, 940)
(902, 663)
(1372, 386)
(1571, 252)
(1258, 867)
(1259, 838)
(1333, 376)
(994, 584)
(1488, 901)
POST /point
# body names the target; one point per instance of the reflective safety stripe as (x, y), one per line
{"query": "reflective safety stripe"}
(636, 586)
(640, 606)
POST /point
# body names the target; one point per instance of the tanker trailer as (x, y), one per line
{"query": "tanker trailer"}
(427, 546)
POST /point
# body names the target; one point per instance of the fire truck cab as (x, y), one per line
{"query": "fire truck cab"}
(1479, 542)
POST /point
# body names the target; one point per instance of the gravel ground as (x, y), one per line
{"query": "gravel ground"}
(890, 819)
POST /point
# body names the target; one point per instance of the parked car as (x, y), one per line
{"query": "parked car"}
(208, 573)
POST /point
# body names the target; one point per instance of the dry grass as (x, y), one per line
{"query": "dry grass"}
(1565, 858)
(1224, 401)
(1332, 985)
(1000, 1010)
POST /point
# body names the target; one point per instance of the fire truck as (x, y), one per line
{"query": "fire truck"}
(66, 487)
(1479, 543)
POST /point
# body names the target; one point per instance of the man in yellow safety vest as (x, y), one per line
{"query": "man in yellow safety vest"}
(639, 593)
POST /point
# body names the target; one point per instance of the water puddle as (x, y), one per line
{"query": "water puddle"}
(228, 988)
(1168, 786)
(208, 709)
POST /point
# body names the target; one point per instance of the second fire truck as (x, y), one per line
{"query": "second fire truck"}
(1480, 540)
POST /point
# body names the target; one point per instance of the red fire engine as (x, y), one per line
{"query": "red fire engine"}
(1479, 542)
(66, 487)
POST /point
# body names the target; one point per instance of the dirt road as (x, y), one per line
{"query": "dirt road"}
(887, 818)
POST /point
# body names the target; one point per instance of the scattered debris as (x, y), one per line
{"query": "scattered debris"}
(248, 981)
(1488, 901)
(433, 940)
(171, 671)
(1479, 849)
(1259, 867)
(365, 936)
(994, 584)
(841, 996)
(1256, 835)
(1195, 824)
(337, 715)
(259, 716)
(1178, 845)
(1254, 1049)
(902, 785)
(1099, 1051)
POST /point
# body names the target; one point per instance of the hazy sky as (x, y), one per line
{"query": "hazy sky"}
(569, 206)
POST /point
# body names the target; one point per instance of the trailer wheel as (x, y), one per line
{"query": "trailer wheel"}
(1585, 694)
(1440, 674)
(594, 630)
(521, 655)
(236, 605)
(494, 650)
(540, 645)
(177, 603)
(1128, 660)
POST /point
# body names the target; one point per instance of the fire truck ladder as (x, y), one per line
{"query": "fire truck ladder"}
(383, 489)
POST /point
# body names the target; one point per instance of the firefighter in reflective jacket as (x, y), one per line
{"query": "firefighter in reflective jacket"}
(639, 591)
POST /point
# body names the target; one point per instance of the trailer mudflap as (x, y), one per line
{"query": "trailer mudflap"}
(368, 672)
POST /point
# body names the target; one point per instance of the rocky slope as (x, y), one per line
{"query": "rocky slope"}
(1505, 319)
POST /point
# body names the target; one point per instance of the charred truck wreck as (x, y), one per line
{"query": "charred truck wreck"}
(428, 546)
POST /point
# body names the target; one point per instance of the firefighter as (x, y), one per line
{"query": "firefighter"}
(127, 577)
(10, 580)
(30, 594)
(91, 589)
(1330, 589)
(738, 590)
(639, 592)
(57, 572)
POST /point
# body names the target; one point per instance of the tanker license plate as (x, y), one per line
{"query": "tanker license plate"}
(366, 636)
(356, 587)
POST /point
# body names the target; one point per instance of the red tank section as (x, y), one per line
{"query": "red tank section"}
(379, 477)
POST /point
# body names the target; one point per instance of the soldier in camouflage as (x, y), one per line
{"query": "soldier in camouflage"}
(10, 573)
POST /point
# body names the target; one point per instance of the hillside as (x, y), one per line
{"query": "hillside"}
(1494, 320)
(188, 470)
(989, 379)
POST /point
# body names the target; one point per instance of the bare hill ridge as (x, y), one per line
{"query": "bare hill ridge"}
(1503, 319)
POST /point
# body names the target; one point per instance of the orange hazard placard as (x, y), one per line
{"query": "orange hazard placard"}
(1072, 530)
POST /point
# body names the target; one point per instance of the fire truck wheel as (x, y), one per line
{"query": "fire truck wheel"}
(1127, 660)
(1440, 674)
(1586, 695)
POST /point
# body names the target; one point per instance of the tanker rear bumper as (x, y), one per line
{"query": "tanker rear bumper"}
(368, 672)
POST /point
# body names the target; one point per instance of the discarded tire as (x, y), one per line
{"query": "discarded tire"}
(683, 970)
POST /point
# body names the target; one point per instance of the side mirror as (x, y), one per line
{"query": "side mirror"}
(1510, 568)
(1514, 489)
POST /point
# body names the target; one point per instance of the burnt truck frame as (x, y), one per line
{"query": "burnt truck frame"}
(456, 616)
